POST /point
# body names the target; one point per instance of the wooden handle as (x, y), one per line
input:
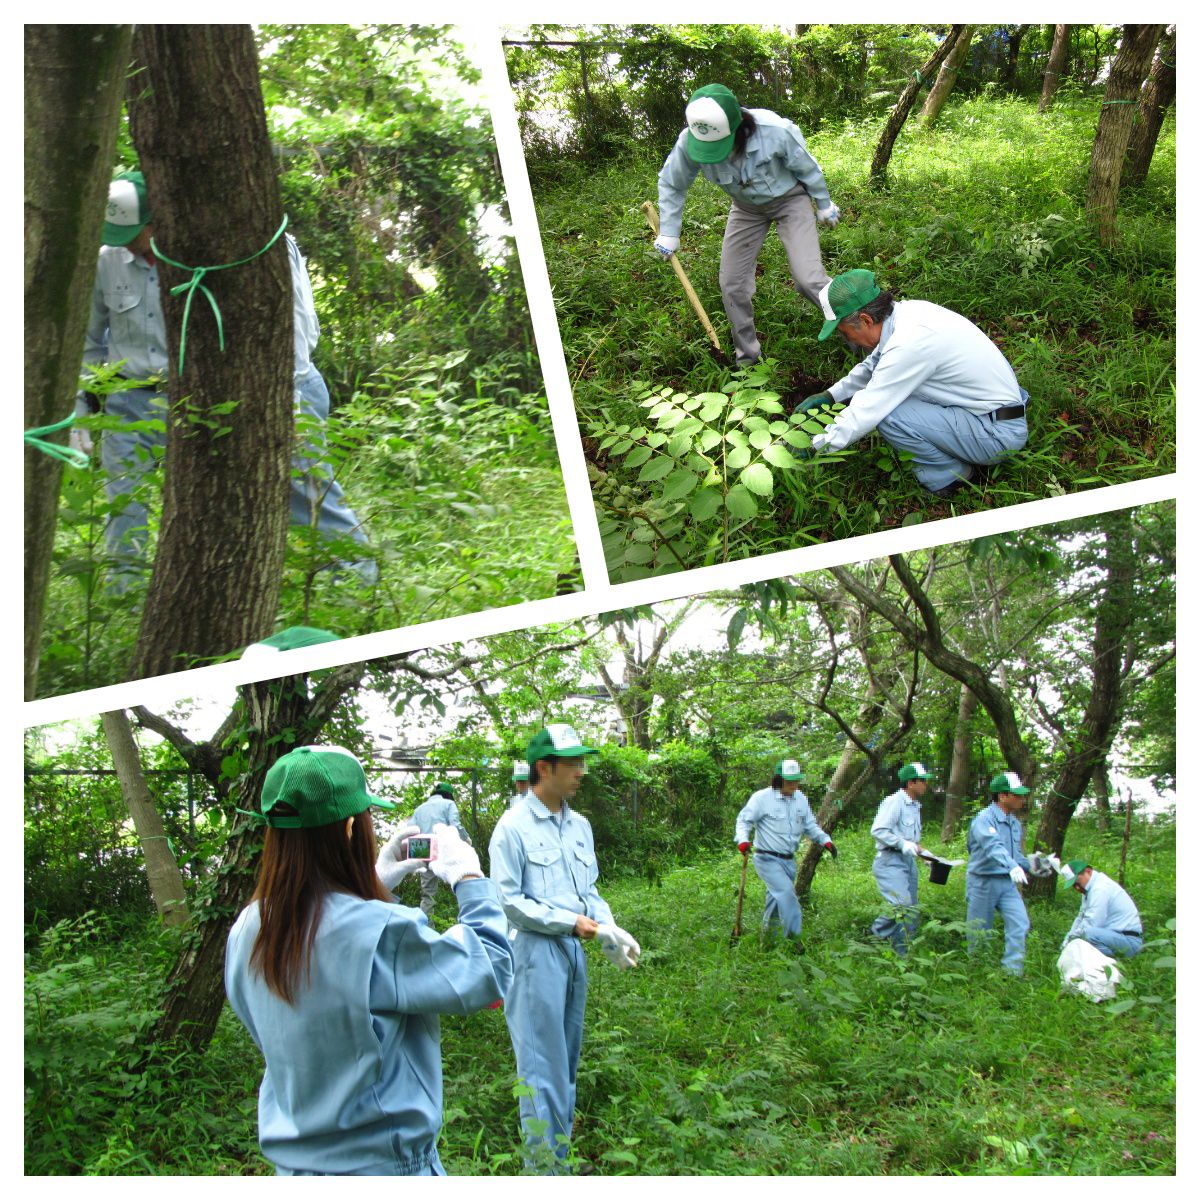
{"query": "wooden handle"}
(652, 220)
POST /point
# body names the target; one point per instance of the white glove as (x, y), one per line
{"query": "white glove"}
(829, 215)
(910, 848)
(1017, 875)
(1055, 862)
(390, 867)
(666, 246)
(80, 439)
(455, 858)
(620, 948)
(820, 441)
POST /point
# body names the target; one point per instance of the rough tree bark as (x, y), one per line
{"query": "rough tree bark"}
(162, 871)
(1054, 68)
(200, 129)
(1117, 113)
(1157, 97)
(74, 80)
(1009, 75)
(899, 114)
(1100, 791)
(947, 76)
(959, 782)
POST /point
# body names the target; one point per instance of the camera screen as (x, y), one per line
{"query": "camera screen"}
(418, 847)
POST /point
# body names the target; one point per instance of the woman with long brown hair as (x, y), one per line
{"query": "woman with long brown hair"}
(340, 986)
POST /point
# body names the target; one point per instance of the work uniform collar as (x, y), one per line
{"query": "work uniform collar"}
(889, 327)
(127, 256)
(540, 810)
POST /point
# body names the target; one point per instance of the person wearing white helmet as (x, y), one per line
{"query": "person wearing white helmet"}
(760, 160)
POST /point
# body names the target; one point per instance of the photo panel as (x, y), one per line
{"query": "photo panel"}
(821, 281)
(311, 404)
(851, 865)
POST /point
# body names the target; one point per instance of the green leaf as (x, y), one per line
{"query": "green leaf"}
(704, 504)
(679, 444)
(795, 438)
(655, 439)
(760, 439)
(741, 503)
(638, 456)
(735, 437)
(812, 426)
(771, 406)
(708, 439)
(779, 456)
(652, 471)
(692, 403)
(737, 416)
(621, 446)
(639, 552)
(913, 518)
(679, 484)
(738, 457)
(1115, 1010)
(1165, 963)
(757, 478)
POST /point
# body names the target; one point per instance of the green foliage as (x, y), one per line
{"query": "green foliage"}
(985, 215)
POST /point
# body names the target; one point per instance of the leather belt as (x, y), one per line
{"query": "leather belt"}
(1009, 413)
(1137, 933)
(773, 853)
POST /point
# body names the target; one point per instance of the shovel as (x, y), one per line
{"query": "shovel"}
(737, 918)
(689, 291)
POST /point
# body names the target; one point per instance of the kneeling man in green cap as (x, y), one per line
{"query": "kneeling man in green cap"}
(932, 383)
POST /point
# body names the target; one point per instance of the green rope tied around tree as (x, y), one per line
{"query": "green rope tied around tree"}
(921, 80)
(1104, 102)
(196, 283)
(68, 454)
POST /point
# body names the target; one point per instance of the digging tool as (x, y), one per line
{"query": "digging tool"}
(737, 918)
(652, 220)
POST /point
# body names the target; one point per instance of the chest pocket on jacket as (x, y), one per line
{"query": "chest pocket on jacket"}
(546, 871)
(588, 871)
(121, 300)
(910, 824)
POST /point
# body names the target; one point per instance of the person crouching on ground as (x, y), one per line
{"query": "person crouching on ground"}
(340, 986)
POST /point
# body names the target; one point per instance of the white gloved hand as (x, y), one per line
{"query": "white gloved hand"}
(1055, 862)
(390, 867)
(910, 848)
(1017, 875)
(666, 246)
(455, 858)
(820, 441)
(620, 948)
(80, 439)
(829, 215)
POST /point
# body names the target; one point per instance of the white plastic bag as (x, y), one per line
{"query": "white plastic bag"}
(1085, 969)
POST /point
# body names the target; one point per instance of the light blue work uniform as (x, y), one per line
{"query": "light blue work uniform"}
(353, 1079)
(1108, 918)
(126, 324)
(775, 180)
(934, 386)
(778, 822)
(898, 821)
(437, 810)
(544, 865)
(994, 844)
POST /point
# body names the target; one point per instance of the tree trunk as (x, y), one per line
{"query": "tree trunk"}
(1117, 112)
(74, 80)
(200, 130)
(960, 764)
(1100, 791)
(1101, 718)
(1054, 68)
(899, 114)
(1009, 77)
(162, 872)
(1157, 97)
(947, 76)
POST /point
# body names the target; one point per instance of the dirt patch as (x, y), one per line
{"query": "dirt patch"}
(800, 386)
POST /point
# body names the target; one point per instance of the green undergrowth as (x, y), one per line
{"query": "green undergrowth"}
(710, 1058)
(984, 214)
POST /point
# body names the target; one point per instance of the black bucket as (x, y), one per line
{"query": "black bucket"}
(939, 870)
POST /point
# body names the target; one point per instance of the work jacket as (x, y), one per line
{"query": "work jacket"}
(994, 843)
(1105, 905)
(898, 821)
(438, 810)
(778, 821)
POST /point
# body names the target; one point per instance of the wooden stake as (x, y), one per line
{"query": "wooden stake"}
(652, 220)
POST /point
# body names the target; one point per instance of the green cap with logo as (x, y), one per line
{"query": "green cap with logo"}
(1072, 870)
(713, 115)
(556, 741)
(316, 785)
(520, 771)
(911, 771)
(845, 294)
(1008, 781)
(789, 768)
(127, 212)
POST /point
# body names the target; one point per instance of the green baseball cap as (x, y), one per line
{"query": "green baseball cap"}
(556, 741)
(1072, 870)
(713, 115)
(520, 771)
(316, 785)
(1008, 781)
(911, 771)
(127, 213)
(845, 294)
(292, 638)
(444, 789)
(789, 768)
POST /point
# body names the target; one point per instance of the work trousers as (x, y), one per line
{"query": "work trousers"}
(745, 232)
(429, 886)
(1113, 942)
(128, 454)
(544, 1009)
(896, 875)
(987, 895)
(946, 440)
(779, 875)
